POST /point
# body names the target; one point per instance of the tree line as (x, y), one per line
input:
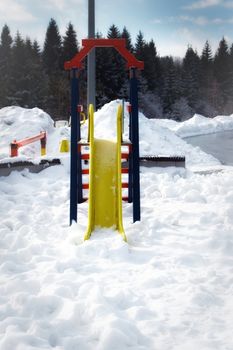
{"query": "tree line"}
(168, 87)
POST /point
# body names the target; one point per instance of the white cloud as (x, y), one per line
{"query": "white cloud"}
(177, 44)
(58, 4)
(156, 21)
(65, 11)
(13, 11)
(203, 21)
(194, 38)
(62, 5)
(201, 4)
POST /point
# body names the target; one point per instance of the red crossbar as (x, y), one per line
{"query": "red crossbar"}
(85, 156)
(118, 44)
(124, 185)
(85, 186)
(15, 145)
(124, 155)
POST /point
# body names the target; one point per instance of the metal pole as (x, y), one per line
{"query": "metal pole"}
(135, 144)
(91, 56)
(75, 135)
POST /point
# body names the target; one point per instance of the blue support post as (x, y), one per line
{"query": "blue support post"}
(134, 134)
(75, 136)
(130, 160)
(130, 179)
(79, 164)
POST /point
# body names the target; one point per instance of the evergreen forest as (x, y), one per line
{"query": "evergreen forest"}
(169, 87)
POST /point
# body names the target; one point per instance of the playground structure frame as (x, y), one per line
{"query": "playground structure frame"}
(74, 65)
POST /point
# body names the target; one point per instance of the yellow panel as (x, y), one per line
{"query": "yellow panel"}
(119, 220)
(90, 226)
(105, 183)
(64, 146)
(105, 195)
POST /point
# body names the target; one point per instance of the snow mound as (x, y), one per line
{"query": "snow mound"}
(155, 138)
(198, 125)
(33, 121)
(17, 123)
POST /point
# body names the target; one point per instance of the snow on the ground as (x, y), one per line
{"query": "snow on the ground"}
(169, 288)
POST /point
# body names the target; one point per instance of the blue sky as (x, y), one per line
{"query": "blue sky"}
(173, 24)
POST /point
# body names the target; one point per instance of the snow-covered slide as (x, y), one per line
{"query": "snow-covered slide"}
(105, 188)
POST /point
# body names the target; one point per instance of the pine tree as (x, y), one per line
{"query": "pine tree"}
(5, 66)
(126, 35)
(224, 75)
(110, 71)
(171, 87)
(191, 76)
(52, 60)
(139, 52)
(69, 50)
(149, 78)
(70, 44)
(222, 61)
(6, 39)
(151, 104)
(20, 73)
(140, 46)
(181, 110)
(206, 66)
(23, 72)
(151, 70)
(207, 82)
(206, 58)
(52, 48)
(103, 74)
(113, 32)
(37, 78)
(230, 99)
(36, 48)
(29, 82)
(231, 57)
(118, 68)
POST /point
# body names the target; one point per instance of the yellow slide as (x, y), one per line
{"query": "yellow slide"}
(105, 196)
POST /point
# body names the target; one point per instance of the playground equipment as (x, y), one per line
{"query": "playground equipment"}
(110, 213)
(105, 195)
(64, 146)
(15, 145)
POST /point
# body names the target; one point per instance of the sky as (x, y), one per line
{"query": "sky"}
(173, 25)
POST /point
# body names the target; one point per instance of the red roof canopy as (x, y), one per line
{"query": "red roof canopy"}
(89, 44)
